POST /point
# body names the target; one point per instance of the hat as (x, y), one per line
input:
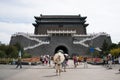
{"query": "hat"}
(109, 55)
(60, 51)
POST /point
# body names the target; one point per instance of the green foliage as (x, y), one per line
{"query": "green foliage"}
(3, 47)
(2, 54)
(96, 54)
(14, 52)
(19, 47)
(115, 52)
(114, 49)
(26, 55)
(113, 46)
(8, 51)
(105, 48)
(11, 52)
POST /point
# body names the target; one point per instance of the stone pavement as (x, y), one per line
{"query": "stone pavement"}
(40, 72)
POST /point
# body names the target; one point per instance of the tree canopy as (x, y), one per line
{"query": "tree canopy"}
(11, 51)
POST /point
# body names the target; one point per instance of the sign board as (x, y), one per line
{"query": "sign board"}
(92, 50)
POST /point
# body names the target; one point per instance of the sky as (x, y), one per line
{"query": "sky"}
(18, 15)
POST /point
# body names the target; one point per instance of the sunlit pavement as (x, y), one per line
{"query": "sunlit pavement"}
(40, 72)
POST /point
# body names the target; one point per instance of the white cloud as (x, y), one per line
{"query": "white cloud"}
(8, 29)
(103, 15)
(4, 38)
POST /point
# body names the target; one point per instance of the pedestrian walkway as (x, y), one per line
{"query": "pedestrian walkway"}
(40, 72)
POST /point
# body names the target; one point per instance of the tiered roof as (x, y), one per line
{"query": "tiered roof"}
(58, 19)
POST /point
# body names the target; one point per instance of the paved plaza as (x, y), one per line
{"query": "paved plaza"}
(40, 72)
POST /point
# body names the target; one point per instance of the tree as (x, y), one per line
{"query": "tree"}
(105, 48)
(96, 54)
(3, 47)
(115, 52)
(2, 54)
(113, 46)
(11, 52)
(14, 52)
(26, 55)
(119, 44)
(19, 48)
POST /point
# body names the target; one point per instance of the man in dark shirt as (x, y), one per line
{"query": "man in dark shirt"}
(19, 62)
(85, 62)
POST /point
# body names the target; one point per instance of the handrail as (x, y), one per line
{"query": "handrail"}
(93, 36)
(40, 42)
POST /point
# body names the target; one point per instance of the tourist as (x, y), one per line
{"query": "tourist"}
(42, 59)
(113, 60)
(75, 61)
(64, 63)
(19, 62)
(104, 60)
(46, 59)
(58, 65)
(79, 59)
(49, 60)
(85, 62)
(58, 60)
(109, 61)
(119, 61)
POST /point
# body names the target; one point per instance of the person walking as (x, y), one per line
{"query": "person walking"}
(49, 60)
(109, 61)
(64, 63)
(58, 66)
(19, 62)
(85, 62)
(75, 61)
(58, 59)
(119, 61)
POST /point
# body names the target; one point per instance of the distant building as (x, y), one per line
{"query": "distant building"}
(65, 32)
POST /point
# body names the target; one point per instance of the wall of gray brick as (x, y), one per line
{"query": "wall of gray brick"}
(57, 41)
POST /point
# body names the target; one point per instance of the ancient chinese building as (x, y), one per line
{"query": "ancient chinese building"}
(54, 32)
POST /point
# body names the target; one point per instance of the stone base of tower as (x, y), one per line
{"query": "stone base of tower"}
(37, 45)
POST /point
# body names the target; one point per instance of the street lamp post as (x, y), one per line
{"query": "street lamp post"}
(91, 49)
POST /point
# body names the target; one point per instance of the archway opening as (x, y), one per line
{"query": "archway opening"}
(65, 50)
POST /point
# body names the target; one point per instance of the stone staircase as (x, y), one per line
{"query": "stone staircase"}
(40, 42)
(93, 36)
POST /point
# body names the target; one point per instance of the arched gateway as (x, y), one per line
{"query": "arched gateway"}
(65, 50)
